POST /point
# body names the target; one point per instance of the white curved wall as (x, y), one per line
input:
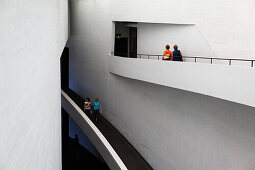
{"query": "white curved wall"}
(172, 129)
(179, 130)
(33, 35)
(152, 38)
(232, 83)
(226, 25)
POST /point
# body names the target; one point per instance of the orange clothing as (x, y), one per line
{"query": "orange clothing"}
(166, 52)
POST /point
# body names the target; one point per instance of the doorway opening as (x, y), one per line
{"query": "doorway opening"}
(125, 43)
(64, 68)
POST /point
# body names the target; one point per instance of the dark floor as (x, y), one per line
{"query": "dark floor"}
(130, 157)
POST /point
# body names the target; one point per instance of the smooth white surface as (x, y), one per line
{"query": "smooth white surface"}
(172, 129)
(33, 35)
(95, 136)
(152, 38)
(231, 83)
(226, 25)
(179, 130)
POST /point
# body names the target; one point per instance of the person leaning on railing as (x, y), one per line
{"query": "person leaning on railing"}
(177, 55)
(167, 55)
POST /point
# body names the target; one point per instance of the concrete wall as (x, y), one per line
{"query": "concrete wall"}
(180, 130)
(152, 39)
(172, 129)
(33, 35)
(225, 82)
(224, 24)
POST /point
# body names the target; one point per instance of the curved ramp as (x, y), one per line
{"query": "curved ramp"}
(117, 152)
(95, 136)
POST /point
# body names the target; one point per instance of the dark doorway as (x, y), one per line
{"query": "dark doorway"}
(125, 44)
(133, 42)
(121, 46)
(64, 61)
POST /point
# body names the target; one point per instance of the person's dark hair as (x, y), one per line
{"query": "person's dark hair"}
(168, 47)
(88, 99)
(175, 47)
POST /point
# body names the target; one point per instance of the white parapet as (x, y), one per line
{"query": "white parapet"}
(232, 83)
(95, 136)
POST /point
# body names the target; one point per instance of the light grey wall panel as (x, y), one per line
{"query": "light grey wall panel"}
(172, 129)
(33, 35)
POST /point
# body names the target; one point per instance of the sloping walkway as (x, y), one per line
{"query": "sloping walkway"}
(130, 157)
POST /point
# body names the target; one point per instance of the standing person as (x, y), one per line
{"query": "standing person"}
(177, 55)
(97, 107)
(75, 149)
(167, 55)
(87, 107)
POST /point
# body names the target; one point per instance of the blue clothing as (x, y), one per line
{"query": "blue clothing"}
(177, 55)
(96, 105)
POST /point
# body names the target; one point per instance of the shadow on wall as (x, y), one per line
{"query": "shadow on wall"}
(152, 38)
(84, 140)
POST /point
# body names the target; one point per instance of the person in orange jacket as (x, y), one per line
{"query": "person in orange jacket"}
(167, 55)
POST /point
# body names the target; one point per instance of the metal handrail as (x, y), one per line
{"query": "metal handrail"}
(190, 57)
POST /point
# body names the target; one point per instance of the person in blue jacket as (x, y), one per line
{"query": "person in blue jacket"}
(96, 107)
(177, 55)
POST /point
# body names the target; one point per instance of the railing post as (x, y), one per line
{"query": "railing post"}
(195, 59)
(211, 60)
(158, 57)
(229, 61)
(252, 63)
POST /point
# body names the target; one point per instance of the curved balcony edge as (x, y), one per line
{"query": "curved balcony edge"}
(232, 83)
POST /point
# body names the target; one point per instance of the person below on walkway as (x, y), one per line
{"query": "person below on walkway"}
(177, 55)
(167, 55)
(87, 107)
(97, 107)
(75, 149)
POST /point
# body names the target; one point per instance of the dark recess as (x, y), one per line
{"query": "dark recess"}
(74, 155)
